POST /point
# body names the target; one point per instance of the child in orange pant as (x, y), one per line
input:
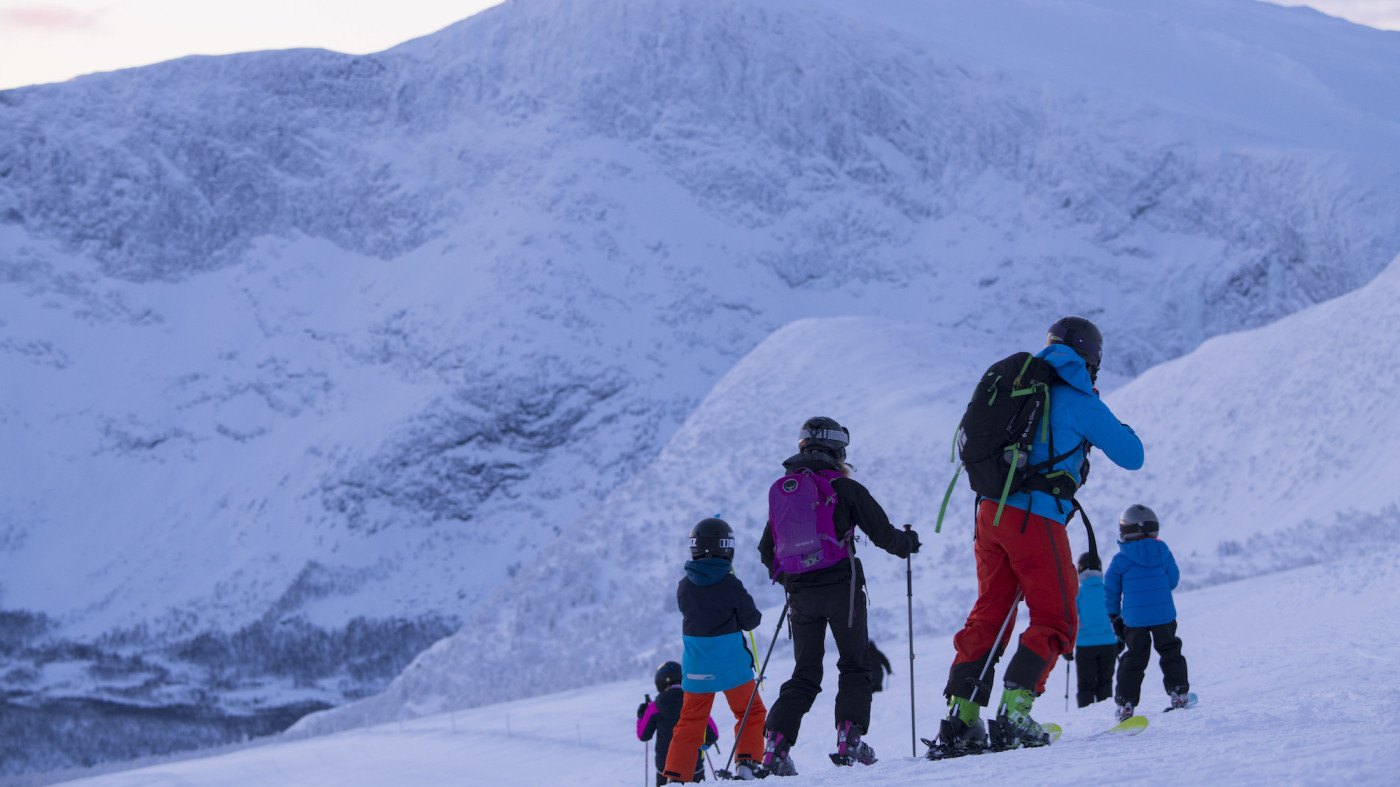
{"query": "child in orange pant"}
(716, 610)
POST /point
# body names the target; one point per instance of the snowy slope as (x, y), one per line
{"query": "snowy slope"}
(1271, 448)
(900, 392)
(1281, 703)
(308, 356)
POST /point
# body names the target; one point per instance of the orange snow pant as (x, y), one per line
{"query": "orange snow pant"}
(695, 715)
(1031, 554)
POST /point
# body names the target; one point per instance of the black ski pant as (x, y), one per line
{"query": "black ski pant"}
(1139, 651)
(813, 611)
(1095, 664)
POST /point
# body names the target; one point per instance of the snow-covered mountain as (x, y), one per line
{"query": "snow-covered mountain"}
(309, 358)
(1266, 450)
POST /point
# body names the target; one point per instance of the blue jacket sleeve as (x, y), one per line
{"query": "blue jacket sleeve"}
(1117, 440)
(1113, 588)
(1173, 575)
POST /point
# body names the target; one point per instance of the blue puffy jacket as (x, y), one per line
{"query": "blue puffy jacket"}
(1094, 627)
(1139, 583)
(1076, 414)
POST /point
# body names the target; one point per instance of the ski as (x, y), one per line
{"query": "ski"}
(1129, 726)
(934, 753)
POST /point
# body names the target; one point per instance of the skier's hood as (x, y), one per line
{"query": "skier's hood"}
(812, 460)
(707, 571)
(1069, 365)
(1145, 552)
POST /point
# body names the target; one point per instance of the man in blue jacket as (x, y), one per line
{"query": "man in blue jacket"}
(1026, 549)
(1138, 597)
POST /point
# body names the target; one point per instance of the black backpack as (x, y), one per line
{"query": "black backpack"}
(997, 430)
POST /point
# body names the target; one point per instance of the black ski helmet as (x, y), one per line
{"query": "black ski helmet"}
(1090, 562)
(1138, 521)
(668, 675)
(1082, 336)
(712, 537)
(824, 434)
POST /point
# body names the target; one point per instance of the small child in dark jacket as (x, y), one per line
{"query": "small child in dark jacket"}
(879, 666)
(716, 610)
(659, 716)
(1096, 647)
(1139, 586)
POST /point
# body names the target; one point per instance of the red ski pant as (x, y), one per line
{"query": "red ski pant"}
(695, 716)
(1029, 553)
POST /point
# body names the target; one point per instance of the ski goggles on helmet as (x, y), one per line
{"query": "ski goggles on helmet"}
(838, 436)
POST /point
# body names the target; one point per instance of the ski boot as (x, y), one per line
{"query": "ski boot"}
(1013, 727)
(1181, 697)
(850, 749)
(1125, 710)
(748, 770)
(961, 733)
(776, 761)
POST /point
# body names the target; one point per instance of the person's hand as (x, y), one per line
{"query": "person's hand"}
(913, 539)
(1121, 645)
(642, 709)
(1118, 626)
(1069, 656)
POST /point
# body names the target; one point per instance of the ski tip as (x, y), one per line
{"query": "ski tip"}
(1054, 731)
(1130, 726)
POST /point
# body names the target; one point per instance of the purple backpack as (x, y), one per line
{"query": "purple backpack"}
(800, 509)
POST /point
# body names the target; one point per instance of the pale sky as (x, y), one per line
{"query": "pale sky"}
(53, 41)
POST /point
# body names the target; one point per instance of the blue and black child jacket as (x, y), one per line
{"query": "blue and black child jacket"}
(715, 610)
(1139, 583)
(1094, 626)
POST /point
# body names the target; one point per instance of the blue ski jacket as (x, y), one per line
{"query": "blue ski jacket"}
(1076, 414)
(715, 611)
(1139, 583)
(1094, 626)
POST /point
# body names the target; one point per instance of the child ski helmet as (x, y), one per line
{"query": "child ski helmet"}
(1079, 335)
(712, 537)
(1138, 521)
(1090, 562)
(824, 434)
(668, 675)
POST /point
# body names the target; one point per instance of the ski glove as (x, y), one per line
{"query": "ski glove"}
(913, 541)
(1118, 626)
(1069, 656)
(642, 709)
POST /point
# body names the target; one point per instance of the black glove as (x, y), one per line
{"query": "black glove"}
(1069, 656)
(1121, 645)
(1118, 626)
(913, 540)
(642, 709)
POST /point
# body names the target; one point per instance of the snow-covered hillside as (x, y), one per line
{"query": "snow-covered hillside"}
(1283, 701)
(308, 358)
(1265, 450)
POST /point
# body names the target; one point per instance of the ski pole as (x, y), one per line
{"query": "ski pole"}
(991, 654)
(1066, 685)
(909, 591)
(739, 735)
(713, 774)
(646, 763)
